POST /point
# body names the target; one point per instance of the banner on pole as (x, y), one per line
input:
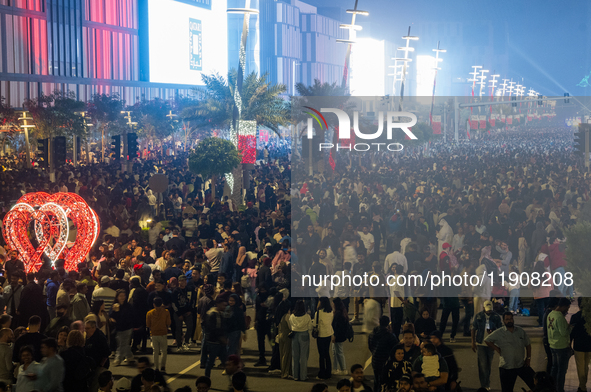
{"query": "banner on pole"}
(509, 120)
(492, 119)
(482, 121)
(436, 125)
(474, 121)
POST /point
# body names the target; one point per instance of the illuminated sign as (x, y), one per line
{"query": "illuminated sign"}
(195, 45)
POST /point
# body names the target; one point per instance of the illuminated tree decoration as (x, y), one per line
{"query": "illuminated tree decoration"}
(247, 141)
(51, 215)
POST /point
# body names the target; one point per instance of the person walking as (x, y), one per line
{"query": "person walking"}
(122, 316)
(216, 337)
(559, 340)
(324, 318)
(283, 313)
(158, 321)
(183, 302)
(301, 325)
(380, 343)
(78, 367)
(485, 322)
(514, 348)
(52, 367)
(581, 345)
(340, 325)
(236, 324)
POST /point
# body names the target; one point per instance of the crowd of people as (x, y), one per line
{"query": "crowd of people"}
(490, 207)
(183, 267)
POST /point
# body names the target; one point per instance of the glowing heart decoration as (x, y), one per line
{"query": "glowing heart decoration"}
(51, 216)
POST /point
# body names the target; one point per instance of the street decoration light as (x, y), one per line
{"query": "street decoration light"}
(237, 112)
(50, 215)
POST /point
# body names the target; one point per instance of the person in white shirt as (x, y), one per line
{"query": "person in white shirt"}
(395, 258)
(301, 325)
(367, 238)
(214, 256)
(343, 290)
(480, 228)
(112, 230)
(458, 240)
(190, 225)
(444, 234)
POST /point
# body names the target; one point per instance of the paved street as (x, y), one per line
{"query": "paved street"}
(184, 368)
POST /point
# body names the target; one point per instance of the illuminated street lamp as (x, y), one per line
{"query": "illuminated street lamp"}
(511, 88)
(86, 125)
(504, 87)
(405, 60)
(482, 77)
(474, 77)
(25, 126)
(353, 28)
(437, 61)
(493, 84)
(241, 66)
(237, 112)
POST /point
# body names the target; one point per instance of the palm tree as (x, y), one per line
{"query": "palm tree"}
(261, 102)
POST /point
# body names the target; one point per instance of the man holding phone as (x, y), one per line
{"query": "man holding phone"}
(214, 257)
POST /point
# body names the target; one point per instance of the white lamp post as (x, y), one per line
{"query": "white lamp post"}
(25, 126)
(406, 49)
(474, 77)
(353, 28)
(437, 61)
(482, 78)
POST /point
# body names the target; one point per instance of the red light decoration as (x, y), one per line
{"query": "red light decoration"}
(248, 146)
(50, 215)
(247, 141)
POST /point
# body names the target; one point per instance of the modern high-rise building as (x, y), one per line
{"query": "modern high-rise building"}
(298, 44)
(158, 48)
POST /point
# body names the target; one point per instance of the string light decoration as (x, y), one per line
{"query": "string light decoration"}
(247, 141)
(51, 215)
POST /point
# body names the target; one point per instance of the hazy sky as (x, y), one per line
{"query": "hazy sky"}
(548, 42)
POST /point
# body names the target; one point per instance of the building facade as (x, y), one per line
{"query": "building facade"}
(84, 46)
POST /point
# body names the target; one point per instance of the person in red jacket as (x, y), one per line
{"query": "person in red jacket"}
(556, 253)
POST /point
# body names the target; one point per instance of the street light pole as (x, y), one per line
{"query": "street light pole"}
(128, 164)
(25, 126)
(437, 60)
(482, 78)
(351, 40)
(405, 49)
(237, 112)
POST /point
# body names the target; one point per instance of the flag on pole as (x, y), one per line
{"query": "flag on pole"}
(436, 125)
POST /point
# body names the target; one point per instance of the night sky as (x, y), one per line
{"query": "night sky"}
(548, 43)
